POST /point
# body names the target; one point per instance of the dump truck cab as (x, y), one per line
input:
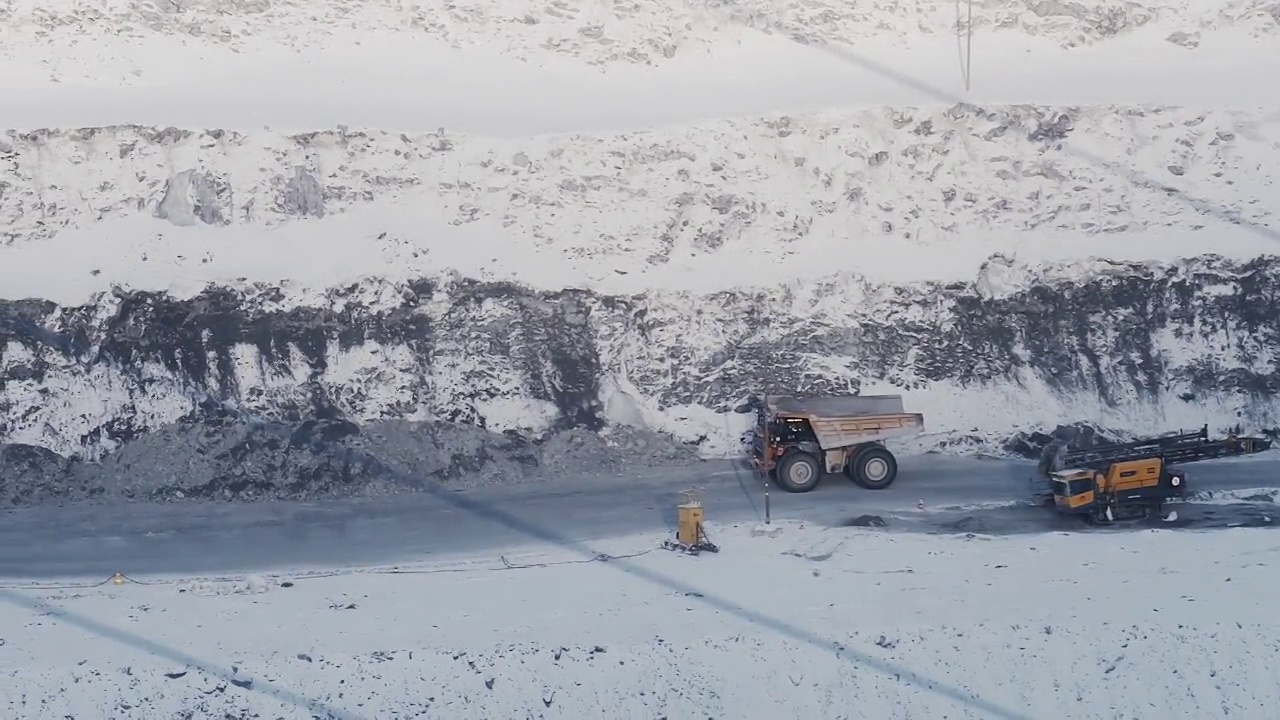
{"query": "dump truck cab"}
(798, 440)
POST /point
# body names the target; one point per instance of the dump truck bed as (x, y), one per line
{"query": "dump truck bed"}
(835, 406)
(846, 420)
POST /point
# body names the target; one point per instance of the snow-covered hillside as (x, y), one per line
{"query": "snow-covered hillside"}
(515, 69)
(812, 623)
(631, 216)
(891, 193)
(626, 31)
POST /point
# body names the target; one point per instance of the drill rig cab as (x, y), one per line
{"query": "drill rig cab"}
(797, 440)
(1126, 490)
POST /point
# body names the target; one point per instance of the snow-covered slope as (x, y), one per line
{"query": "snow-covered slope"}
(624, 32)
(892, 193)
(515, 69)
(253, 204)
(812, 623)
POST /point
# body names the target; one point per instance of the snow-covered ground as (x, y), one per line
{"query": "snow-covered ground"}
(900, 194)
(515, 69)
(811, 622)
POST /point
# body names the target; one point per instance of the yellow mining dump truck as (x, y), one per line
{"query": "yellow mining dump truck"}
(796, 440)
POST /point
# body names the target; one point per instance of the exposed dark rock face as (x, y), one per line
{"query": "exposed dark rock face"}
(1137, 334)
(376, 387)
(31, 475)
(217, 453)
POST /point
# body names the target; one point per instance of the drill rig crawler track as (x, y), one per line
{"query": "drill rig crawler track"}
(1133, 479)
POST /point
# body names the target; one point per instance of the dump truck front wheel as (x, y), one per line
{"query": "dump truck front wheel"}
(798, 472)
(874, 468)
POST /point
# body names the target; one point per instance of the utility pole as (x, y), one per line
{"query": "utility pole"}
(966, 46)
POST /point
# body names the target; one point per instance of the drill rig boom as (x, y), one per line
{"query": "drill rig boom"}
(1173, 449)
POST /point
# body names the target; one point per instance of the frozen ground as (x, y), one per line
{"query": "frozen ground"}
(516, 69)
(812, 621)
(960, 495)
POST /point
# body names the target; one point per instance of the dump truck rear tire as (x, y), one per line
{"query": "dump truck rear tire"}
(875, 468)
(798, 472)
